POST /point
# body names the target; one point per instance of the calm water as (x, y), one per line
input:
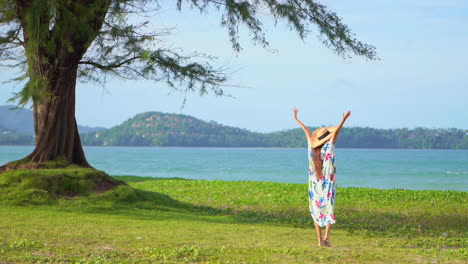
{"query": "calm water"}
(381, 168)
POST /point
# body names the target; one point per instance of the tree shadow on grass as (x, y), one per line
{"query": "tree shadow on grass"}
(153, 206)
(129, 202)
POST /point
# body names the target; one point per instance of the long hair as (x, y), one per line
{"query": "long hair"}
(318, 162)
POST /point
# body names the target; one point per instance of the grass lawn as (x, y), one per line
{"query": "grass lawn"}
(188, 221)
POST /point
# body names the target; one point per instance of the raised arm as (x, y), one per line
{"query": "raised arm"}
(335, 135)
(306, 130)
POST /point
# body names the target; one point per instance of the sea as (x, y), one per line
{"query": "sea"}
(372, 168)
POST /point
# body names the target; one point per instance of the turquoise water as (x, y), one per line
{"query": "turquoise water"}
(374, 168)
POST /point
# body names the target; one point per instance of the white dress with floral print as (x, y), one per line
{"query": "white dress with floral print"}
(322, 192)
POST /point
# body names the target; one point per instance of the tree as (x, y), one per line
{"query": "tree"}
(57, 42)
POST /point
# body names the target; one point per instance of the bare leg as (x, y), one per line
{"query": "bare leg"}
(318, 229)
(327, 234)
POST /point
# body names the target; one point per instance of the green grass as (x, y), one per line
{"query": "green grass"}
(188, 221)
(45, 186)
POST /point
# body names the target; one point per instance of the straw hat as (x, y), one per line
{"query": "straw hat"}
(322, 135)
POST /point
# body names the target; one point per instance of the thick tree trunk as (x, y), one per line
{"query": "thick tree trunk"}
(55, 124)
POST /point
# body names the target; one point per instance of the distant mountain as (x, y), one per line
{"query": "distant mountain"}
(21, 121)
(162, 129)
(88, 129)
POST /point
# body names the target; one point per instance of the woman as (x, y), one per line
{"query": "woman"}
(322, 170)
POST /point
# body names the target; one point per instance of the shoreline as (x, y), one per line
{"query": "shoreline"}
(209, 147)
(384, 169)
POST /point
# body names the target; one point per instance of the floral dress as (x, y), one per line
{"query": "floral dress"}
(322, 192)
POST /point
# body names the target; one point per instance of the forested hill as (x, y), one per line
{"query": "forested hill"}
(365, 137)
(161, 129)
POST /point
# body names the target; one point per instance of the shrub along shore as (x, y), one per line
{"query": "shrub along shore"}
(153, 220)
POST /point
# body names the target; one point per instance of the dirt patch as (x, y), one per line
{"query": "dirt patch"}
(107, 184)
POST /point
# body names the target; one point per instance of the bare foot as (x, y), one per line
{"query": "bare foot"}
(326, 242)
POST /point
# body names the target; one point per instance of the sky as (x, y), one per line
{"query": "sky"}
(421, 79)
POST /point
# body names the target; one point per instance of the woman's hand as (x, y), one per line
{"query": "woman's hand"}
(346, 115)
(306, 130)
(338, 128)
(295, 110)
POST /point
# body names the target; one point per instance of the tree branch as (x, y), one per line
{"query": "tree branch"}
(110, 66)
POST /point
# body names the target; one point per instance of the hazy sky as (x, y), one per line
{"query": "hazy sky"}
(420, 81)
